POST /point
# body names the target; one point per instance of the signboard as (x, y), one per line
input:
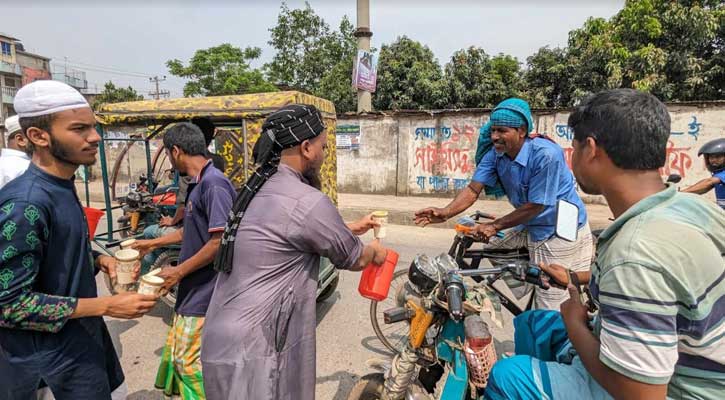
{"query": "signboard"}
(365, 71)
(348, 137)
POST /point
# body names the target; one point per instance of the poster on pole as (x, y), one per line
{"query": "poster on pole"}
(365, 71)
(348, 137)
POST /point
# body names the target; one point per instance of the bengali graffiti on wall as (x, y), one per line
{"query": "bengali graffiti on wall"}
(443, 156)
(681, 150)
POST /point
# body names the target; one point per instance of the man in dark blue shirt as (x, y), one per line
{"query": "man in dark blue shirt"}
(51, 327)
(209, 200)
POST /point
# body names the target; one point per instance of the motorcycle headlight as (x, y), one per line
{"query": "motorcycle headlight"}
(423, 274)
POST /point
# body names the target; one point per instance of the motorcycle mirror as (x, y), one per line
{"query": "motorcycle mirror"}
(674, 178)
(567, 220)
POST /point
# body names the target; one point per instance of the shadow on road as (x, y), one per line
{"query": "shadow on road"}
(116, 327)
(324, 307)
(373, 344)
(346, 382)
(163, 311)
(146, 395)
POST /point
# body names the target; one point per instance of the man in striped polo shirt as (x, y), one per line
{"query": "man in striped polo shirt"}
(658, 281)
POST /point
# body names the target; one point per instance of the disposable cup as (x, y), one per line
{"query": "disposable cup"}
(150, 284)
(127, 243)
(381, 217)
(124, 269)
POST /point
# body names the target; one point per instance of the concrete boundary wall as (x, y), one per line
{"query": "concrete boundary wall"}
(431, 153)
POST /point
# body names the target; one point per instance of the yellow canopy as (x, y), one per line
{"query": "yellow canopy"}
(217, 108)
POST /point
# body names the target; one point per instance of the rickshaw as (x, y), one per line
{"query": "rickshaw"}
(136, 197)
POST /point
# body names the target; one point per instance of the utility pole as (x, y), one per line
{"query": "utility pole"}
(363, 34)
(158, 93)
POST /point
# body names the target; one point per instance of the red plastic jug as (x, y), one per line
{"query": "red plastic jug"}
(93, 216)
(375, 279)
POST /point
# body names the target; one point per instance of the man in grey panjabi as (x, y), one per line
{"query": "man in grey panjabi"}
(259, 338)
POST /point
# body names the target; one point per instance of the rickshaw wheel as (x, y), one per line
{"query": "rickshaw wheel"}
(168, 258)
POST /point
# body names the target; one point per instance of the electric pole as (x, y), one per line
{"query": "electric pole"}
(158, 93)
(363, 34)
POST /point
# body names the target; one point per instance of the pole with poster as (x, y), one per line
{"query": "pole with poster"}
(365, 71)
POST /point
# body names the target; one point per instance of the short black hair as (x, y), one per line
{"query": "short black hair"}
(631, 126)
(207, 128)
(44, 122)
(187, 137)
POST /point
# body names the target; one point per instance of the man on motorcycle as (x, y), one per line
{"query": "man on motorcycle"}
(657, 281)
(534, 175)
(714, 153)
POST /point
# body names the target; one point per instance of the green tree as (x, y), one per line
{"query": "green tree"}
(313, 58)
(468, 79)
(672, 49)
(336, 83)
(547, 78)
(409, 77)
(113, 94)
(221, 70)
(473, 79)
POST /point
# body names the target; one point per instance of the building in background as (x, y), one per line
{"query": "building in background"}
(72, 77)
(33, 67)
(10, 75)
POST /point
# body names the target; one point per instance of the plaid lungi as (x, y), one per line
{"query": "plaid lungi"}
(180, 370)
(575, 256)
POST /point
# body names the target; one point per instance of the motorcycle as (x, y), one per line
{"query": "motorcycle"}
(450, 350)
(394, 337)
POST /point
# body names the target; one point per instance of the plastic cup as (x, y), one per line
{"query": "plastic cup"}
(127, 243)
(381, 217)
(150, 284)
(124, 270)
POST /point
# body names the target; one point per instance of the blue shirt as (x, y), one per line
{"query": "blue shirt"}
(720, 188)
(208, 204)
(46, 264)
(538, 175)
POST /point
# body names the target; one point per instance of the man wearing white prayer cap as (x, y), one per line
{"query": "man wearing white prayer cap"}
(52, 331)
(14, 159)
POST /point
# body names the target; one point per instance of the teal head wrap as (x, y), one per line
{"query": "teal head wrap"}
(513, 113)
(484, 145)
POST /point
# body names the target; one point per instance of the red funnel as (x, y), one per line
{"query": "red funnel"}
(93, 216)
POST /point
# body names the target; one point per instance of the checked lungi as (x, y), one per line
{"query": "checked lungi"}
(180, 370)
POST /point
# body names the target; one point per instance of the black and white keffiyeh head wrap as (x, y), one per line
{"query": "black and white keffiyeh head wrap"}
(285, 128)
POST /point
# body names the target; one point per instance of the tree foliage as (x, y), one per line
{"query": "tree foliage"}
(313, 58)
(473, 79)
(673, 49)
(113, 94)
(221, 70)
(409, 77)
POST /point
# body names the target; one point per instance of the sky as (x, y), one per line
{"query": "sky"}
(129, 43)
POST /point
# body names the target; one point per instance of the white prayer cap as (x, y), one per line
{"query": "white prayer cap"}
(47, 97)
(12, 124)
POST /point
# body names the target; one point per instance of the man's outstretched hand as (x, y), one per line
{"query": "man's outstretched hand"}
(431, 215)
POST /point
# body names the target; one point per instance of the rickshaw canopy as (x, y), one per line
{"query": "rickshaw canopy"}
(216, 108)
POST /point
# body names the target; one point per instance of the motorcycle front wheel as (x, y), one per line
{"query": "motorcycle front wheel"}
(393, 336)
(369, 387)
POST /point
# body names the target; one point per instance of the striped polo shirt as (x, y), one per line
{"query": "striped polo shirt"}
(659, 283)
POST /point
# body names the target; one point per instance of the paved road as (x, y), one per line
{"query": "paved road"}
(345, 339)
